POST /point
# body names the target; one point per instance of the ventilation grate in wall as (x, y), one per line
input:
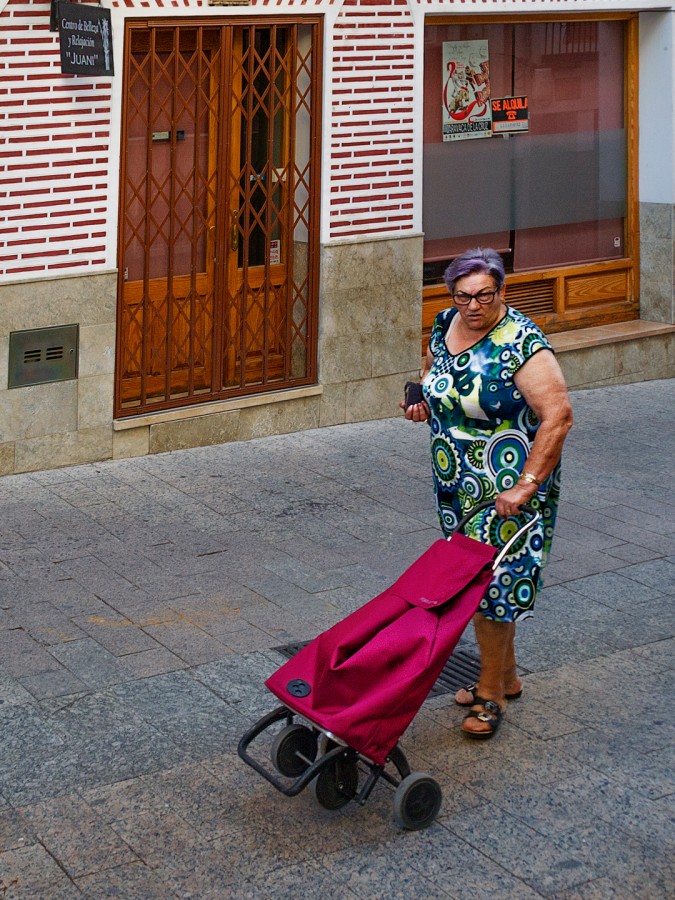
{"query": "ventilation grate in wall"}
(42, 355)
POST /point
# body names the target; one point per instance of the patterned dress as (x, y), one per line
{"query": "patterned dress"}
(481, 434)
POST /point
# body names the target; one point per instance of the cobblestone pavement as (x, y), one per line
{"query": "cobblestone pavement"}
(140, 604)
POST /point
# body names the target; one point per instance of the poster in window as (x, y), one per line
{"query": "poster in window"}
(466, 90)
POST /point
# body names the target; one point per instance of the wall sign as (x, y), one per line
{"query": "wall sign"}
(85, 36)
(510, 115)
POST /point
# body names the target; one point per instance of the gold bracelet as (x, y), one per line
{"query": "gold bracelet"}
(529, 478)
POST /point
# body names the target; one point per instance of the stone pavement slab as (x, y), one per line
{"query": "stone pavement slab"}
(141, 602)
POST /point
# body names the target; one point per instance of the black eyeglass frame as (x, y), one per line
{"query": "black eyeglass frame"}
(478, 297)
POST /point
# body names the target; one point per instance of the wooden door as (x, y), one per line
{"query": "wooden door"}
(218, 288)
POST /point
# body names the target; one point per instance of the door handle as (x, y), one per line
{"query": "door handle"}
(234, 230)
(211, 234)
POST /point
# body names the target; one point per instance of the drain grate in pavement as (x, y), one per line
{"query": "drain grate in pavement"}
(461, 669)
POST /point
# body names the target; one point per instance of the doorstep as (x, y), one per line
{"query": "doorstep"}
(585, 338)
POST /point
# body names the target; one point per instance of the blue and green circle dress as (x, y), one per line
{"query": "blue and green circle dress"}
(481, 434)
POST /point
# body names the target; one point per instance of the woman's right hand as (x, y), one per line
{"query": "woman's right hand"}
(416, 412)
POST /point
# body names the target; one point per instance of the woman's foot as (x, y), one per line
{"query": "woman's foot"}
(466, 696)
(483, 720)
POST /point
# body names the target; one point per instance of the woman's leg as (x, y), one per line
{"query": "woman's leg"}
(497, 655)
(512, 682)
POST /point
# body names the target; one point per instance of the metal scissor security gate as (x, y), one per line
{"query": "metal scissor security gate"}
(218, 285)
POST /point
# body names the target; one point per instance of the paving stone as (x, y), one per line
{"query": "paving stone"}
(191, 865)
(90, 662)
(306, 879)
(304, 575)
(70, 831)
(611, 588)
(623, 856)
(29, 562)
(571, 643)
(32, 872)
(251, 638)
(116, 633)
(631, 553)
(545, 866)
(370, 873)
(42, 775)
(657, 574)
(13, 692)
(570, 534)
(630, 887)
(142, 609)
(14, 831)
(442, 857)
(24, 730)
(182, 709)
(127, 798)
(190, 643)
(580, 564)
(111, 741)
(151, 662)
(44, 623)
(66, 595)
(91, 573)
(211, 805)
(658, 524)
(134, 881)
(239, 681)
(55, 683)
(272, 587)
(21, 655)
(658, 653)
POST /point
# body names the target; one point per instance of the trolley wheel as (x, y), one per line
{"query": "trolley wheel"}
(292, 747)
(417, 801)
(336, 784)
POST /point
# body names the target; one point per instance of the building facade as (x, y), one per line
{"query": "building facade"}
(242, 230)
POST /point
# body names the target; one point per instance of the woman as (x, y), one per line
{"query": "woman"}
(499, 411)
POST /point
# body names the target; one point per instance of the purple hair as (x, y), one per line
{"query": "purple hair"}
(477, 260)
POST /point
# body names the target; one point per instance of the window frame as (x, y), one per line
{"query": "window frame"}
(571, 296)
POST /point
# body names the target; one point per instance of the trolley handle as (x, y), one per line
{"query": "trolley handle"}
(534, 514)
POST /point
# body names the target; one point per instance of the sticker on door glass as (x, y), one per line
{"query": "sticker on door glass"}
(275, 252)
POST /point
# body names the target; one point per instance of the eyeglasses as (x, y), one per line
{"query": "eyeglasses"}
(483, 297)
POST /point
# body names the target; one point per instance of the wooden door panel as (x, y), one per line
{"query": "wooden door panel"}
(189, 335)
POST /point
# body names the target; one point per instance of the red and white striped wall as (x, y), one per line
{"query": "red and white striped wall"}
(59, 133)
(54, 152)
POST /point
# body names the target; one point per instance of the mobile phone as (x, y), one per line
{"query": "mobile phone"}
(413, 393)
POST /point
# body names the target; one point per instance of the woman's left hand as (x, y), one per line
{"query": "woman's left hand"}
(508, 503)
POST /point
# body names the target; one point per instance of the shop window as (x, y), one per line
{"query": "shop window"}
(551, 194)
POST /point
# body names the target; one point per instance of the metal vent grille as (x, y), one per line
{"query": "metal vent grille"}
(42, 355)
(533, 298)
(461, 669)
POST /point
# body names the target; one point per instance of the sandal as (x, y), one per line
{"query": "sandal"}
(490, 713)
(470, 688)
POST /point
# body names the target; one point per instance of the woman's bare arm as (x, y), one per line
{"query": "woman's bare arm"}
(542, 384)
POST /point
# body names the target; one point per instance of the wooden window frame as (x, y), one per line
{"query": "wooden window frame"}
(581, 295)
